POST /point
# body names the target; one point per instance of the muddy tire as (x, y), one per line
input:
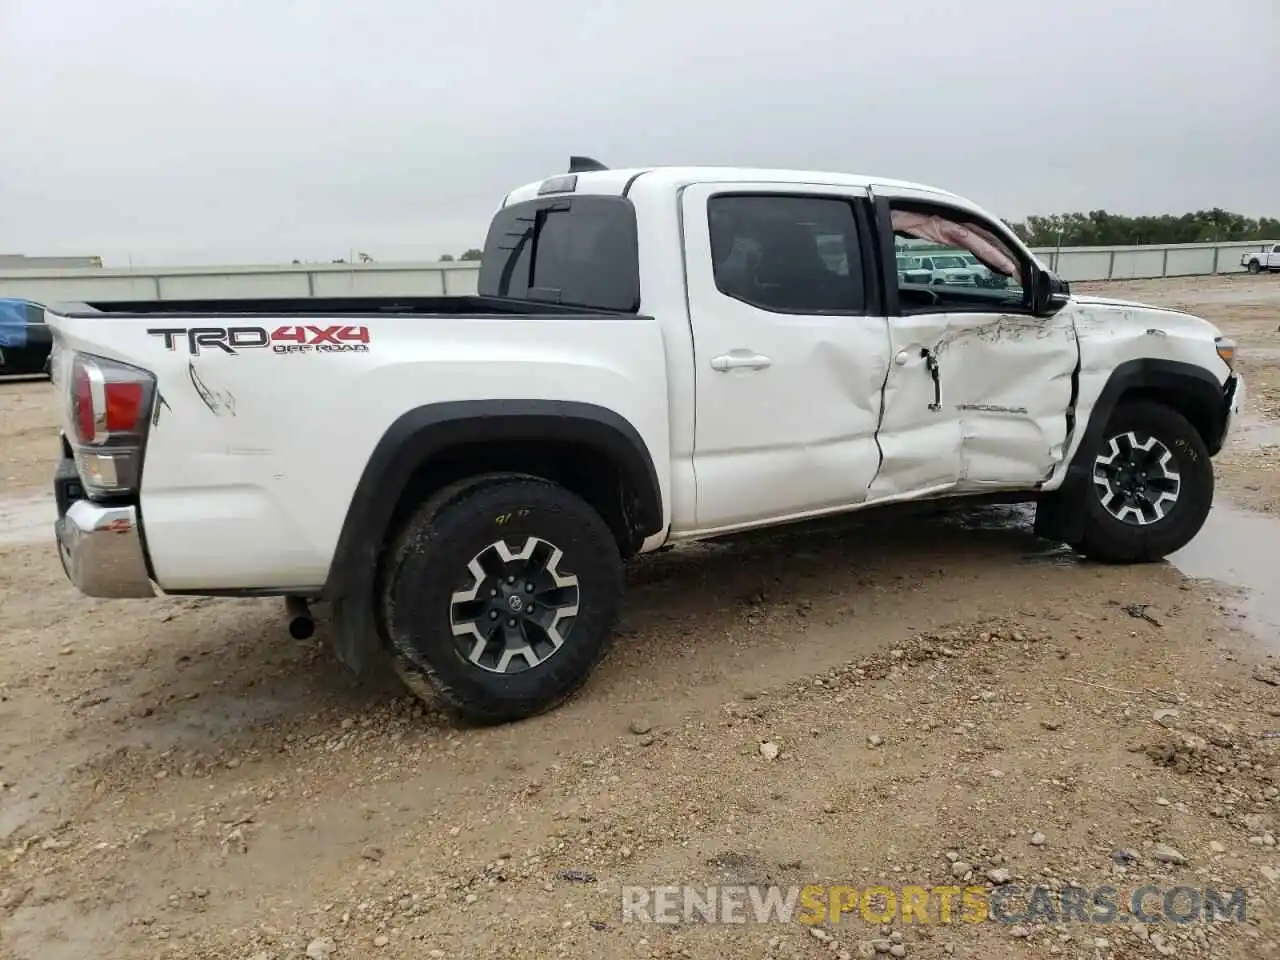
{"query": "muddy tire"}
(499, 597)
(1150, 489)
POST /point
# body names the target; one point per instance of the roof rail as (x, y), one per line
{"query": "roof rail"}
(585, 165)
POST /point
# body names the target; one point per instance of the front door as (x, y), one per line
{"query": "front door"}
(789, 357)
(979, 388)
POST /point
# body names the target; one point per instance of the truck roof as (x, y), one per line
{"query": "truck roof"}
(617, 182)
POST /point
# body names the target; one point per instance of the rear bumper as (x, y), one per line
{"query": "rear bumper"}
(100, 546)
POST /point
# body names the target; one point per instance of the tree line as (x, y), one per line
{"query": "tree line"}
(1099, 228)
(472, 254)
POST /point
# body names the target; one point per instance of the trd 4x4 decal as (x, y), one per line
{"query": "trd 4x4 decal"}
(340, 338)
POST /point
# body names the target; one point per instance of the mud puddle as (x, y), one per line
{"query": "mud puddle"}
(1240, 549)
(1237, 548)
(26, 519)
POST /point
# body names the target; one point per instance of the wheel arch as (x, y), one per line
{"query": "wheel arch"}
(593, 451)
(1188, 388)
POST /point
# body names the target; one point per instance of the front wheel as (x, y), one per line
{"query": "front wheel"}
(1151, 486)
(501, 594)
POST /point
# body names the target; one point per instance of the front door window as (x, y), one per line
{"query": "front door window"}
(966, 264)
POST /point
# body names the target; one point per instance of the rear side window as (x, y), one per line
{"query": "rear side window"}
(787, 254)
(576, 251)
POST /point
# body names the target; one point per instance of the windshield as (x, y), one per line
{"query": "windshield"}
(947, 263)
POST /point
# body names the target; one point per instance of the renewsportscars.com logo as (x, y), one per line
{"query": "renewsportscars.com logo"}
(876, 905)
(340, 338)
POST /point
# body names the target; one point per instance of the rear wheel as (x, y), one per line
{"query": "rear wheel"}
(1151, 486)
(499, 597)
(1255, 266)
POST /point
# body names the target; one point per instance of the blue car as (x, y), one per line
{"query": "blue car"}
(25, 340)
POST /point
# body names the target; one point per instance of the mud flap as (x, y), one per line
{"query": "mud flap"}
(355, 639)
(1059, 515)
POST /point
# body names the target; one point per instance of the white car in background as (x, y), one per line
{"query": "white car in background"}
(912, 270)
(983, 275)
(1268, 258)
(981, 272)
(948, 268)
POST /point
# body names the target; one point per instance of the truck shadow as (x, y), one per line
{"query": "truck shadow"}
(855, 543)
(209, 670)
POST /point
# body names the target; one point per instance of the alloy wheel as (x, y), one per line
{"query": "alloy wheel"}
(517, 609)
(1137, 479)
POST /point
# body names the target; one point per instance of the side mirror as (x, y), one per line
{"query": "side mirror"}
(1049, 293)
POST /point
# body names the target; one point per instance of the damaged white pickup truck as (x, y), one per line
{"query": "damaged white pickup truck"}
(654, 356)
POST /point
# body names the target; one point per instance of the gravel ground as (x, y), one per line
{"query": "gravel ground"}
(934, 702)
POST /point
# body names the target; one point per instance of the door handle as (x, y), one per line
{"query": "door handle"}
(740, 360)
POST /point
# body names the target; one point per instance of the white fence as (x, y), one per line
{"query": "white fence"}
(434, 279)
(1138, 263)
(199, 283)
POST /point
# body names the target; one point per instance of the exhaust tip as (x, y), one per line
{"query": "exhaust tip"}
(302, 626)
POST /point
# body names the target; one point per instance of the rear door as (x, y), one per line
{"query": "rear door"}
(791, 350)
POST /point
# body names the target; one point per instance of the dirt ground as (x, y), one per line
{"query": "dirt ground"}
(907, 703)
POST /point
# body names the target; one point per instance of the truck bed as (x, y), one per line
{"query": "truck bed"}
(269, 411)
(321, 306)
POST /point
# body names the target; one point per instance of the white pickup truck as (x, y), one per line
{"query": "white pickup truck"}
(1268, 258)
(654, 356)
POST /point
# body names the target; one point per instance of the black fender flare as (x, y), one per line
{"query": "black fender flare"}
(429, 430)
(1057, 517)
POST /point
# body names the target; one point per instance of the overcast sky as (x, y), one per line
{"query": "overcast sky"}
(241, 131)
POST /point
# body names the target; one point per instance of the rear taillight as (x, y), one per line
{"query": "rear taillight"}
(110, 412)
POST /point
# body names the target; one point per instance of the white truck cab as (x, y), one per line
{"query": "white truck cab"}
(1267, 258)
(655, 355)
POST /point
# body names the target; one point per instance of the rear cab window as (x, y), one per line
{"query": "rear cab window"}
(575, 251)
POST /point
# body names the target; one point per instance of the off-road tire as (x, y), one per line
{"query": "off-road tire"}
(1108, 539)
(427, 565)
